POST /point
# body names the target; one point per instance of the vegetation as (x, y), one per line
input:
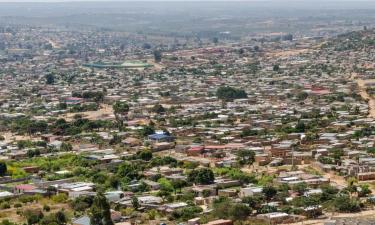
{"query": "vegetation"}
(230, 93)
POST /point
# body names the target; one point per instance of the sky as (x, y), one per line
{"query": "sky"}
(170, 0)
(321, 1)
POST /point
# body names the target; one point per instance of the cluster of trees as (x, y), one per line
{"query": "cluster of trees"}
(157, 56)
(236, 174)
(38, 217)
(224, 208)
(245, 157)
(84, 108)
(28, 126)
(59, 127)
(158, 108)
(97, 96)
(230, 93)
(178, 122)
(100, 211)
(201, 176)
(249, 132)
(62, 127)
(121, 110)
(50, 79)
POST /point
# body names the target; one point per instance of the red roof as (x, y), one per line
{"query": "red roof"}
(196, 148)
(73, 99)
(215, 147)
(25, 187)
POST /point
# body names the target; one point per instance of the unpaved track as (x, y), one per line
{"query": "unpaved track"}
(362, 91)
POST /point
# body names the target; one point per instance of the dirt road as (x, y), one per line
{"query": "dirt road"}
(363, 214)
(362, 91)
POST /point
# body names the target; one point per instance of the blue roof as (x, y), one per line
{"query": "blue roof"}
(84, 220)
(159, 136)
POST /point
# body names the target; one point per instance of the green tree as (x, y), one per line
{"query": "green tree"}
(364, 190)
(178, 185)
(229, 93)
(300, 188)
(58, 218)
(127, 170)
(224, 208)
(81, 203)
(328, 192)
(157, 55)
(344, 203)
(238, 212)
(245, 157)
(100, 213)
(253, 202)
(3, 169)
(158, 108)
(145, 155)
(147, 130)
(50, 78)
(135, 202)
(120, 109)
(269, 192)
(7, 222)
(66, 147)
(201, 176)
(300, 127)
(33, 216)
(215, 40)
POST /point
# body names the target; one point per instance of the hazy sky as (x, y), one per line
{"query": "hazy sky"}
(178, 0)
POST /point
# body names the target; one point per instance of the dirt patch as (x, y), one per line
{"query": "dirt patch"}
(362, 91)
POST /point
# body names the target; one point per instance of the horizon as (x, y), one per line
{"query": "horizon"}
(182, 1)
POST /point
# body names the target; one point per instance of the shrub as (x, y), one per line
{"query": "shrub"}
(17, 205)
(5, 205)
(60, 198)
(46, 208)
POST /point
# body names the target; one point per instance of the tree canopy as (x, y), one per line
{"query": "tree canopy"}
(230, 93)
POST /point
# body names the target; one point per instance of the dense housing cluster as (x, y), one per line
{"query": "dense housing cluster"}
(111, 128)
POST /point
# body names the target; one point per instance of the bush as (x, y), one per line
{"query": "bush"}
(6, 222)
(229, 93)
(60, 198)
(5, 205)
(201, 176)
(46, 208)
(17, 205)
(33, 216)
(346, 204)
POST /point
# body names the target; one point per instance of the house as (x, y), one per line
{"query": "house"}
(173, 206)
(194, 221)
(114, 196)
(152, 184)
(220, 222)
(204, 190)
(6, 194)
(84, 220)
(226, 183)
(149, 199)
(73, 101)
(195, 151)
(250, 191)
(20, 189)
(227, 192)
(160, 137)
(274, 217)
